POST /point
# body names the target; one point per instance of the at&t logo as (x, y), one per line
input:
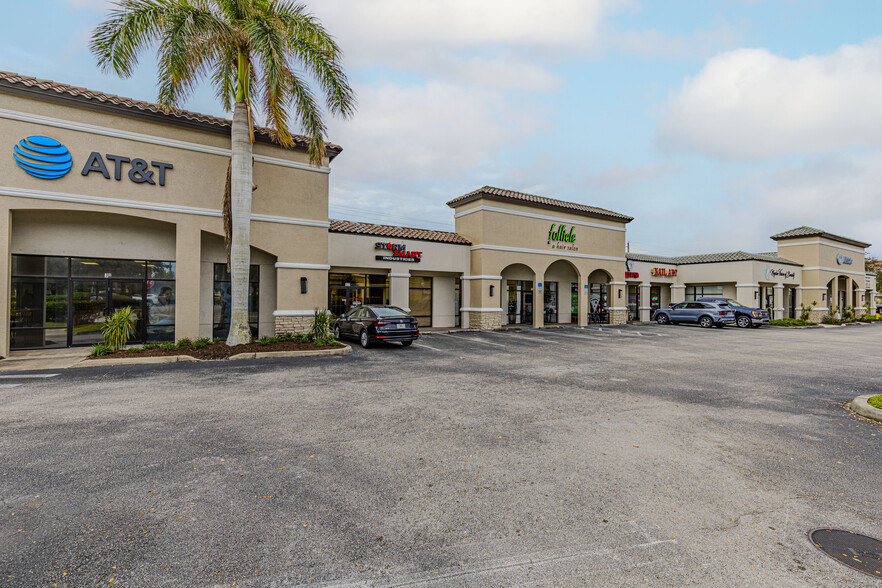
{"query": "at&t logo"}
(43, 157)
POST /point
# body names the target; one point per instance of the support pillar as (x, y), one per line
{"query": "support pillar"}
(538, 305)
(399, 290)
(778, 310)
(584, 296)
(834, 299)
(188, 261)
(5, 284)
(678, 293)
(645, 310)
(484, 309)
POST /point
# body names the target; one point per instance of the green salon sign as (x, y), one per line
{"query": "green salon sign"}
(559, 233)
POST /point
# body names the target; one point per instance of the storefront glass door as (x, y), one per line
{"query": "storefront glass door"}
(89, 302)
(342, 298)
(633, 303)
(550, 303)
(520, 302)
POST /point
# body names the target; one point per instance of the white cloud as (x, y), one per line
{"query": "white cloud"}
(749, 103)
(437, 129)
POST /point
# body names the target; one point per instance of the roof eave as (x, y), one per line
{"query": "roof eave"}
(824, 235)
(456, 202)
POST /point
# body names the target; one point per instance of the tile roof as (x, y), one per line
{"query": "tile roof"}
(492, 193)
(813, 232)
(712, 258)
(47, 89)
(342, 226)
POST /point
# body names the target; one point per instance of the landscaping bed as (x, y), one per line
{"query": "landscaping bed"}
(214, 349)
(791, 323)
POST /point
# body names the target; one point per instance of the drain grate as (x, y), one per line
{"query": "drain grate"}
(858, 552)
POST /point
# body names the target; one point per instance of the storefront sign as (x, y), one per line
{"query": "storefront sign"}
(397, 252)
(840, 259)
(663, 272)
(561, 238)
(779, 273)
(48, 159)
(632, 275)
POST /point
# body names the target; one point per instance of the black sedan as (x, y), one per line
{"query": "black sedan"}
(373, 323)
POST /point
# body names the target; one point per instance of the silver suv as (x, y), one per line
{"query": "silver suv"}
(706, 314)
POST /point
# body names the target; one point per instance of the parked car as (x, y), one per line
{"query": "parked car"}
(372, 323)
(745, 316)
(706, 314)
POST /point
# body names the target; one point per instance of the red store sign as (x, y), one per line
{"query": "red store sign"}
(397, 252)
(631, 275)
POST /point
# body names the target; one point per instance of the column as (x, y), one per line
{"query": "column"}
(465, 292)
(645, 308)
(778, 310)
(300, 289)
(399, 290)
(188, 273)
(618, 305)
(584, 296)
(484, 308)
(5, 284)
(797, 304)
(748, 294)
(834, 299)
(678, 293)
(538, 305)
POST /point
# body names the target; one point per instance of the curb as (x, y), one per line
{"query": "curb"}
(863, 408)
(186, 358)
(316, 353)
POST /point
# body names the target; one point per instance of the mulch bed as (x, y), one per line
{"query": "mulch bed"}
(220, 350)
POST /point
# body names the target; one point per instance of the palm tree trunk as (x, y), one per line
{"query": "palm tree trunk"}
(240, 251)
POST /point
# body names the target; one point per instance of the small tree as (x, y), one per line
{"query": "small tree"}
(806, 312)
(119, 328)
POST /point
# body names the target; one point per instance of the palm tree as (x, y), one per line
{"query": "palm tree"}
(247, 48)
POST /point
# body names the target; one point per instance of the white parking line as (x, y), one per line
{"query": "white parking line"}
(9, 385)
(28, 376)
(472, 339)
(519, 335)
(573, 336)
(428, 347)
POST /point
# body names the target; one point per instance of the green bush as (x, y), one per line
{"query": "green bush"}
(185, 342)
(268, 341)
(136, 349)
(875, 401)
(102, 349)
(168, 346)
(806, 311)
(791, 322)
(152, 346)
(321, 325)
(202, 342)
(119, 327)
(216, 340)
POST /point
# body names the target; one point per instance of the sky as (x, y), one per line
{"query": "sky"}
(714, 123)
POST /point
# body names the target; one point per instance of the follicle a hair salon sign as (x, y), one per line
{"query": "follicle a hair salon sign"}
(397, 252)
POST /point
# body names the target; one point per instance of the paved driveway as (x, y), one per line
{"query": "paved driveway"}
(625, 456)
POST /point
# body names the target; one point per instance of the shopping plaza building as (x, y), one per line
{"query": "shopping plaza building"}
(108, 202)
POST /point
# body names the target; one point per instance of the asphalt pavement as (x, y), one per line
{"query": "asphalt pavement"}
(611, 456)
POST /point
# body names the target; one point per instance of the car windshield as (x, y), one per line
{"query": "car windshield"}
(388, 311)
(731, 302)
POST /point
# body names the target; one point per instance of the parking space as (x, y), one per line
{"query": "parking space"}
(613, 455)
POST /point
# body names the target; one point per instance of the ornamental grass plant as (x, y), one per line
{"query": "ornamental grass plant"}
(119, 328)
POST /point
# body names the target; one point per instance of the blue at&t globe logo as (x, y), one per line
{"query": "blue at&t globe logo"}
(43, 157)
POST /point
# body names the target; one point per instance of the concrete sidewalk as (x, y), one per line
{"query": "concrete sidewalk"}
(43, 359)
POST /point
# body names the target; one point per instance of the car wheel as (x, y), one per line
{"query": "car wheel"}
(406, 343)
(364, 339)
(743, 321)
(337, 332)
(706, 322)
(662, 319)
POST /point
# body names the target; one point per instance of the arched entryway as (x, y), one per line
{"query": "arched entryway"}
(560, 293)
(599, 296)
(518, 304)
(840, 295)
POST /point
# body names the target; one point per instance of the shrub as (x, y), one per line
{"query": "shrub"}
(202, 342)
(216, 340)
(136, 349)
(152, 346)
(790, 323)
(806, 312)
(185, 342)
(168, 346)
(118, 328)
(875, 401)
(102, 349)
(321, 325)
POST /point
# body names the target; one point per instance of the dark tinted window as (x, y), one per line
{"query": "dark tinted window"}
(695, 305)
(680, 306)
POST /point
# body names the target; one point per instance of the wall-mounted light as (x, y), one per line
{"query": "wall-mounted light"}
(491, 290)
(755, 294)
(620, 292)
(303, 285)
(823, 296)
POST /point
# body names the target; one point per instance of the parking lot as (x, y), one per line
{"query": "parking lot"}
(613, 456)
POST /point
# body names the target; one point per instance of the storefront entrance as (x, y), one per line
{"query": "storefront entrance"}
(520, 302)
(550, 303)
(633, 303)
(63, 301)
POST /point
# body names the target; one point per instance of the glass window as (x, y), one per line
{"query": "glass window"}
(346, 279)
(161, 270)
(39, 265)
(223, 300)
(81, 267)
(550, 302)
(39, 314)
(696, 292)
(421, 299)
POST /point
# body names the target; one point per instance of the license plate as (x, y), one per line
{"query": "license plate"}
(402, 325)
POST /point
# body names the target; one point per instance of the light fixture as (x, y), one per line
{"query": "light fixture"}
(620, 292)
(491, 290)
(823, 296)
(303, 285)
(89, 262)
